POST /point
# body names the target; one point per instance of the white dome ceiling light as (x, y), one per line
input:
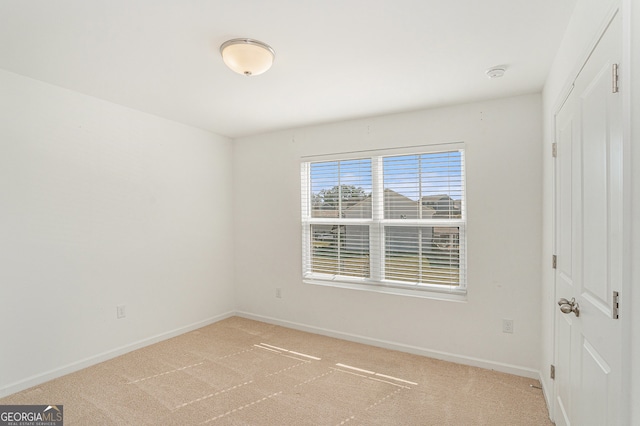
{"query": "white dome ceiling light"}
(246, 56)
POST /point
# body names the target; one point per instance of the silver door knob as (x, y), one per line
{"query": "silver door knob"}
(568, 306)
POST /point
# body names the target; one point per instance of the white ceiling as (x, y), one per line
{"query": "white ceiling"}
(335, 59)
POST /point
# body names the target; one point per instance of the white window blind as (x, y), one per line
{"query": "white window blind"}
(386, 220)
(340, 206)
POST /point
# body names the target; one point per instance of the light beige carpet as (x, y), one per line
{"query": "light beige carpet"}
(243, 372)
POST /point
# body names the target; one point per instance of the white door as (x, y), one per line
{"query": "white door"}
(589, 208)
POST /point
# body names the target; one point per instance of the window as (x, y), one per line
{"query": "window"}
(386, 221)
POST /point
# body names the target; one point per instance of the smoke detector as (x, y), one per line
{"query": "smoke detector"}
(495, 72)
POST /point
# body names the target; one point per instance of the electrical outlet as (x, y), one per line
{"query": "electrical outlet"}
(121, 312)
(507, 326)
(278, 292)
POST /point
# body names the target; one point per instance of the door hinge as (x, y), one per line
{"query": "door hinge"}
(615, 311)
(554, 261)
(614, 78)
(552, 373)
(554, 150)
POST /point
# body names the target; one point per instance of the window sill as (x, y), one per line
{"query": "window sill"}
(434, 294)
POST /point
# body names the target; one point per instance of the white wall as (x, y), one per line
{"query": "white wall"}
(504, 208)
(102, 205)
(587, 21)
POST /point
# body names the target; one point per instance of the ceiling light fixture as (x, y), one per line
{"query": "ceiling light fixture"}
(247, 56)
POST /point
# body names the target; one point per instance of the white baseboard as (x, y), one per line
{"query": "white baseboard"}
(445, 356)
(547, 393)
(88, 362)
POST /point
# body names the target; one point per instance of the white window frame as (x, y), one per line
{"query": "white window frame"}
(377, 224)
